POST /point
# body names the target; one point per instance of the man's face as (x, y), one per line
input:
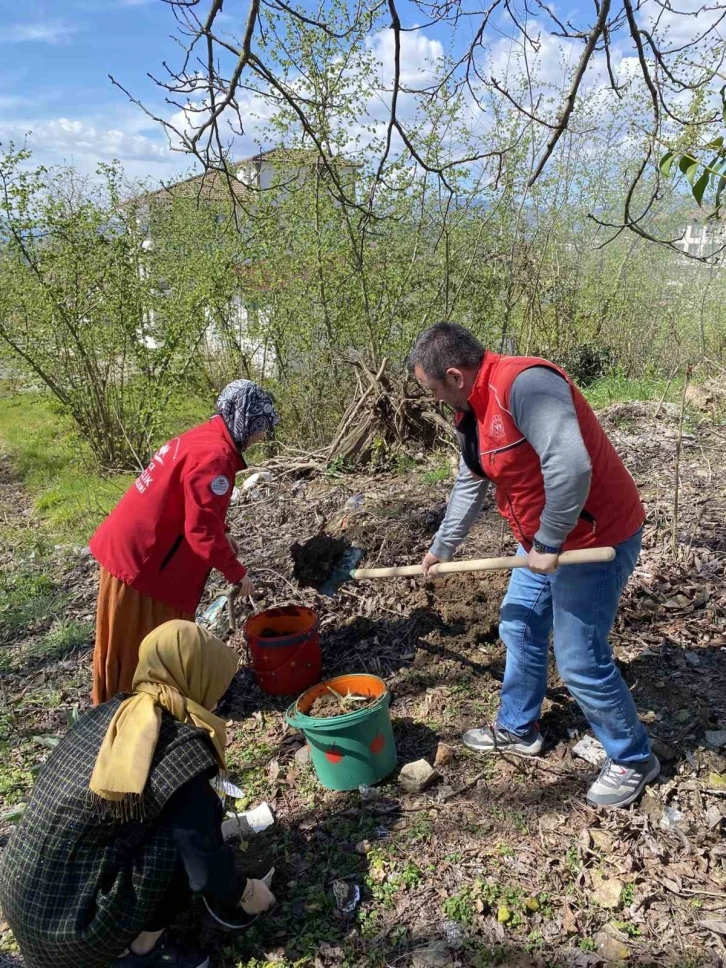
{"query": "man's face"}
(454, 390)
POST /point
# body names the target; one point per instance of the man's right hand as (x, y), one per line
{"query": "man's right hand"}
(428, 561)
(247, 587)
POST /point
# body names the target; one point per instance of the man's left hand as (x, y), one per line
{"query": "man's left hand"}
(542, 564)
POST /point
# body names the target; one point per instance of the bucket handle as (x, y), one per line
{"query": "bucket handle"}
(292, 716)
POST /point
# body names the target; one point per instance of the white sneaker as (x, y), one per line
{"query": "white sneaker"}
(494, 739)
(618, 785)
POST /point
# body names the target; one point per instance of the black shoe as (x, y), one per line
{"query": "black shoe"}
(164, 955)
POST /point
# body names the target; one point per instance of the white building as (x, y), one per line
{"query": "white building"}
(279, 169)
(702, 237)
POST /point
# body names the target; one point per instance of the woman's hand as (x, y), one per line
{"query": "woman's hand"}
(247, 587)
(257, 897)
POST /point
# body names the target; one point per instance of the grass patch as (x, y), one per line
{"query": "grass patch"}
(15, 783)
(27, 600)
(441, 472)
(65, 636)
(56, 467)
(618, 388)
(70, 494)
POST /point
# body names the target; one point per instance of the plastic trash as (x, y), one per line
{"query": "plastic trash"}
(225, 787)
(260, 817)
(590, 750)
(670, 818)
(214, 615)
(368, 792)
(254, 480)
(236, 828)
(247, 824)
(236, 495)
(357, 501)
(454, 934)
(15, 814)
(347, 896)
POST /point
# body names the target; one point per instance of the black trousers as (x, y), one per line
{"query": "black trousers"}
(176, 899)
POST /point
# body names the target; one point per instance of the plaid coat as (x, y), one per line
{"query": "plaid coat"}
(77, 883)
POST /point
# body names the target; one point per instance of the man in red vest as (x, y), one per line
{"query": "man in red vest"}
(524, 427)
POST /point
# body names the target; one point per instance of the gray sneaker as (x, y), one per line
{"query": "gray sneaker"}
(619, 785)
(494, 739)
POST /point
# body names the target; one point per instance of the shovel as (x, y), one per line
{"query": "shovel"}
(346, 568)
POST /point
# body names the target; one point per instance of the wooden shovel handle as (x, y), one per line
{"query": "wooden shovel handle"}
(583, 557)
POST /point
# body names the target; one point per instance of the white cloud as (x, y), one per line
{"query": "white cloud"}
(419, 57)
(511, 58)
(692, 19)
(51, 32)
(83, 143)
(254, 111)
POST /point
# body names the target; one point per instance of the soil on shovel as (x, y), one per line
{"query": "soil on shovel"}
(328, 705)
(314, 561)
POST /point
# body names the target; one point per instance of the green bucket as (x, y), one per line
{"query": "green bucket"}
(354, 748)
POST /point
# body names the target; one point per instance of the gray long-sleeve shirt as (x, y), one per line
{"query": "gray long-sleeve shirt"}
(542, 407)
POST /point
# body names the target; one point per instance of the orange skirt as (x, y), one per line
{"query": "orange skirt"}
(124, 617)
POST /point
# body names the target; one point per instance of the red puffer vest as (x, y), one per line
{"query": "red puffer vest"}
(613, 511)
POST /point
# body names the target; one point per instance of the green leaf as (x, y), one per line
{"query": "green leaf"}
(666, 163)
(15, 814)
(50, 742)
(716, 164)
(689, 166)
(719, 191)
(700, 187)
(716, 143)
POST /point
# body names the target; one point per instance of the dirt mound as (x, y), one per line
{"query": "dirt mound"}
(314, 560)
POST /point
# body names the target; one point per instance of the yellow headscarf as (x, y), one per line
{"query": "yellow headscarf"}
(183, 669)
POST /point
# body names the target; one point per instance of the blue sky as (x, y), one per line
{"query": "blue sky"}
(55, 58)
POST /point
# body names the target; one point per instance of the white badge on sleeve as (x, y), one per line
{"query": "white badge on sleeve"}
(220, 485)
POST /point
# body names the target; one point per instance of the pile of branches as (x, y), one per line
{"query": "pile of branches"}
(387, 416)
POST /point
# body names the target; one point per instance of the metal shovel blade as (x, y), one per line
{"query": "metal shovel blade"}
(342, 571)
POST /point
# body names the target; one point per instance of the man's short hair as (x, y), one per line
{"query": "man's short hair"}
(443, 346)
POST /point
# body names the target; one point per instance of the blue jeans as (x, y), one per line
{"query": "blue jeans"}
(579, 603)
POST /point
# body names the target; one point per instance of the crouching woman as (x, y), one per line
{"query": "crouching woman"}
(123, 824)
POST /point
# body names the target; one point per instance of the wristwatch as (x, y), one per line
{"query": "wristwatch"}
(542, 549)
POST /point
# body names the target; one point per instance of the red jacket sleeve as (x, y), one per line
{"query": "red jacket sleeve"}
(207, 490)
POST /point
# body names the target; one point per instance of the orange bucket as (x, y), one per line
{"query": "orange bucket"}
(284, 645)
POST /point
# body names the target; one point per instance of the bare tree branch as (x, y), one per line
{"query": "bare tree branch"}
(568, 107)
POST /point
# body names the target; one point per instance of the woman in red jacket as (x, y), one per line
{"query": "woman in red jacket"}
(158, 545)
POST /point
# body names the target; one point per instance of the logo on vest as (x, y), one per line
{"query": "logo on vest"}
(220, 485)
(497, 427)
